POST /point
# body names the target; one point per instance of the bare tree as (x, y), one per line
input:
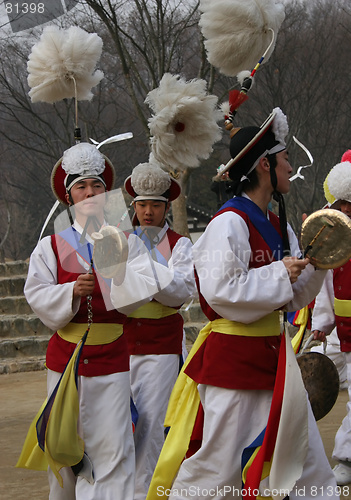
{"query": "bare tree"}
(142, 41)
(151, 38)
(34, 137)
(307, 76)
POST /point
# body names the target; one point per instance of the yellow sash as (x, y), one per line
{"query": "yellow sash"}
(153, 310)
(99, 333)
(342, 308)
(184, 402)
(63, 446)
(267, 326)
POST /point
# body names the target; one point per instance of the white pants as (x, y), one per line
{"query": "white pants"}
(342, 445)
(332, 350)
(233, 419)
(152, 380)
(106, 428)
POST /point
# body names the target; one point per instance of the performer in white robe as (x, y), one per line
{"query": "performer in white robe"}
(57, 288)
(333, 309)
(154, 330)
(244, 280)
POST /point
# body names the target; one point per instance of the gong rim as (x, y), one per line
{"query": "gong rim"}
(332, 248)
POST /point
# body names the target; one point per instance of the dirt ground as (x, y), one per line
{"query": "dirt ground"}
(21, 397)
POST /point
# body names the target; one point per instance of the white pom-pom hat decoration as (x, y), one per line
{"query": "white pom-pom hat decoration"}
(237, 32)
(149, 182)
(280, 129)
(337, 185)
(184, 125)
(82, 161)
(62, 65)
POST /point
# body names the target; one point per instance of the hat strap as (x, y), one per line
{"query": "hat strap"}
(278, 197)
(283, 222)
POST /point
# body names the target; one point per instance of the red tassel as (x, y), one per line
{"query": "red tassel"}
(236, 98)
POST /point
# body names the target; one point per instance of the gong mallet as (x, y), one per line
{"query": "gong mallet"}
(327, 223)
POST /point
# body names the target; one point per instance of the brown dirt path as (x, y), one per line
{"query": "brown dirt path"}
(21, 397)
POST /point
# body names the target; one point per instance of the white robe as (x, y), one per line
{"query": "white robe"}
(323, 319)
(104, 415)
(153, 375)
(233, 418)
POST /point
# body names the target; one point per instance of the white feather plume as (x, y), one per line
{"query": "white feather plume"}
(184, 126)
(225, 108)
(238, 32)
(59, 57)
(280, 127)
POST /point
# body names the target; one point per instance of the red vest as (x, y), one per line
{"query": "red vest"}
(238, 362)
(342, 291)
(157, 336)
(95, 359)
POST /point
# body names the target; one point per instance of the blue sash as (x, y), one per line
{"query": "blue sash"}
(85, 250)
(260, 222)
(151, 246)
(72, 236)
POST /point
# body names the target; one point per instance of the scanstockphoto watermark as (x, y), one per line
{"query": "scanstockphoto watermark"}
(23, 15)
(222, 492)
(199, 492)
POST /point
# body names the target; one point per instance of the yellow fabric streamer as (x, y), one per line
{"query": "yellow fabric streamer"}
(99, 333)
(63, 446)
(153, 310)
(32, 456)
(181, 414)
(301, 320)
(184, 403)
(342, 308)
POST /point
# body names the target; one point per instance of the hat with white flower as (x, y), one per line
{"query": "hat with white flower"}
(337, 184)
(150, 182)
(82, 161)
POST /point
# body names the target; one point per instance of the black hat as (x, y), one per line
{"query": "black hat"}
(249, 144)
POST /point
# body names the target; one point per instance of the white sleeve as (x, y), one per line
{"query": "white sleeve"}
(50, 301)
(323, 316)
(142, 280)
(222, 256)
(181, 268)
(309, 282)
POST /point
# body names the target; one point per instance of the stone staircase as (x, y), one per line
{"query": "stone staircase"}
(24, 338)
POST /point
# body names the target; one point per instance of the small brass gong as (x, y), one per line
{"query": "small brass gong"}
(110, 253)
(326, 238)
(321, 380)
